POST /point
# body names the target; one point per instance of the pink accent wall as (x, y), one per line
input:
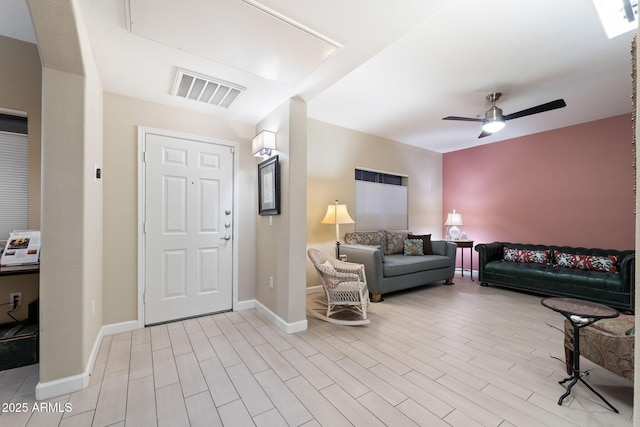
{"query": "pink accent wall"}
(571, 186)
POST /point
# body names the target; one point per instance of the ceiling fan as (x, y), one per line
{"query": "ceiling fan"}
(494, 120)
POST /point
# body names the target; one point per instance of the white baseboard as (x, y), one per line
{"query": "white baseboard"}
(245, 305)
(289, 328)
(61, 386)
(49, 389)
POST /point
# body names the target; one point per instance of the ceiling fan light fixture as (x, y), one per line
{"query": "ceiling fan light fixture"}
(493, 121)
(493, 126)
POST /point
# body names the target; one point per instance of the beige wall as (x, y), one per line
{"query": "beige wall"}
(122, 116)
(71, 259)
(333, 154)
(281, 243)
(20, 89)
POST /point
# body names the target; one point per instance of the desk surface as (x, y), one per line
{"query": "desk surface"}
(8, 270)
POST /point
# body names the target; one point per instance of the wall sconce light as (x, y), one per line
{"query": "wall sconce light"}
(263, 144)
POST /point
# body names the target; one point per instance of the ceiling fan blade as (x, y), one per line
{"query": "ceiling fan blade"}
(484, 133)
(463, 119)
(558, 103)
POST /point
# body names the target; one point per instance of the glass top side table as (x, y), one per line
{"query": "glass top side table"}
(580, 314)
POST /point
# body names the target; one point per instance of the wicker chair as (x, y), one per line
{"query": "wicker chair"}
(345, 286)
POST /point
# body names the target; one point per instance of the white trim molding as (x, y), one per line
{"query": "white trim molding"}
(49, 389)
(289, 328)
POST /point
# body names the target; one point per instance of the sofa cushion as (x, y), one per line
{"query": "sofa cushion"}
(372, 238)
(395, 242)
(397, 265)
(587, 262)
(427, 249)
(621, 325)
(413, 247)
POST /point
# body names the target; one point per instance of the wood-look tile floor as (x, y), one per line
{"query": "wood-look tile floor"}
(460, 355)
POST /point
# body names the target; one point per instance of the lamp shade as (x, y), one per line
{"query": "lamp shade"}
(263, 143)
(337, 214)
(454, 219)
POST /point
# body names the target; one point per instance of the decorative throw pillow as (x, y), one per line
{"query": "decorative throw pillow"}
(566, 260)
(372, 238)
(526, 255)
(538, 257)
(328, 266)
(587, 262)
(427, 249)
(602, 263)
(413, 247)
(510, 254)
(395, 242)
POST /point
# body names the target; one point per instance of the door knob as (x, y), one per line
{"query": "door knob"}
(227, 212)
(226, 237)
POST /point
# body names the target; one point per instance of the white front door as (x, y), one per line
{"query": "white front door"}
(188, 227)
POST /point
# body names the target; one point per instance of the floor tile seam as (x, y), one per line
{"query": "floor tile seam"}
(308, 409)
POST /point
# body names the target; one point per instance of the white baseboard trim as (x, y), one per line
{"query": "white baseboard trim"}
(245, 305)
(49, 389)
(314, 290)
(61, 386)
(289, 328)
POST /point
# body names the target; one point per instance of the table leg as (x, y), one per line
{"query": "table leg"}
(577, 375)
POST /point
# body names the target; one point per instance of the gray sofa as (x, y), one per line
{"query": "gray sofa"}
(387, 270)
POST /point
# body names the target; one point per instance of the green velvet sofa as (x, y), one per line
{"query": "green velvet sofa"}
(604, 276)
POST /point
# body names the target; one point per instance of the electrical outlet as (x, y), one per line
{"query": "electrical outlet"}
(15, 295)
(271, 282)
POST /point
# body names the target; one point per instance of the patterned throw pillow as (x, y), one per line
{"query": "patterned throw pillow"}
(395, 242)
(372, 238)
(427, 249)
(510, 255)
(587, 262)
(413, 247)
(328, 266)
(538, 257)
(526, 255)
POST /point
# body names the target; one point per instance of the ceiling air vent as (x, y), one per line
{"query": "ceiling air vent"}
(194, 86)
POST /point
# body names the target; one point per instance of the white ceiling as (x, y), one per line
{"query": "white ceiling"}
(391, 68)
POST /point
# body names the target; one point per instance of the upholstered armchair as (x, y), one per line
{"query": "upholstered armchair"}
(609, 343)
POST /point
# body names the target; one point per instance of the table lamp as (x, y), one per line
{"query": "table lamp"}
(453, 220)
(337, 214)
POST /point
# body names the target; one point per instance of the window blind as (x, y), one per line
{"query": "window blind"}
(14, 183)
(380, 206)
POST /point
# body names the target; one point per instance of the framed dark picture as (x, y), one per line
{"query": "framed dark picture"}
(269, 187)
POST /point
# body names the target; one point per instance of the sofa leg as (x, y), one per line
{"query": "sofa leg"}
(484, 284)
(449, 281)
(376, 297)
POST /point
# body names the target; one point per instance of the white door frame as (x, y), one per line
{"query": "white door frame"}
(142, 133)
